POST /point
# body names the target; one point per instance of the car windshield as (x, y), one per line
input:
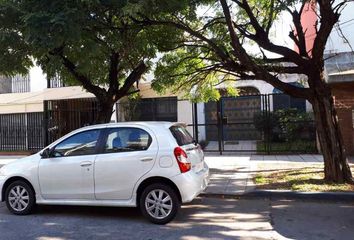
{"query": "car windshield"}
(181, 135)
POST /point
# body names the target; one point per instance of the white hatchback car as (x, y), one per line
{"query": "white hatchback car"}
(153, 165)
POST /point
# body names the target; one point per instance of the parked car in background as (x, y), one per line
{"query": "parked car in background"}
(155, 166)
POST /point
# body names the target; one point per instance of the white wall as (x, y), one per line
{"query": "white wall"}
(38, 79)
(185, 113)
(201, 120)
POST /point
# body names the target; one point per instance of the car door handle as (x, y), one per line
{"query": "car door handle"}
(85, 164)
(146, 159)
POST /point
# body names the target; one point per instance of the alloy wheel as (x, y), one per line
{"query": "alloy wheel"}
(18, 198)
(158, 204)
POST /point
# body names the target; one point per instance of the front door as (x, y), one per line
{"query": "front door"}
(129, 153)
(68, 172)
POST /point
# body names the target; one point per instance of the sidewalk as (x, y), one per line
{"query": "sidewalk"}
(233, 175)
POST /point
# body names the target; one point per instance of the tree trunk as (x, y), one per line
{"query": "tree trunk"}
(104, 114)
(336, 167)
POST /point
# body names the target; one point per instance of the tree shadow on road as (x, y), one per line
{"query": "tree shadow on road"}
(204, 218)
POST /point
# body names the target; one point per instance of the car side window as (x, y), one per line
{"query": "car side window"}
(127, 139)
(83, 143)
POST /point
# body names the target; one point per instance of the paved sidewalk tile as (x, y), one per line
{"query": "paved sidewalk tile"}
(234, 174)
(295, 158)
(282, 158)
(308, 158)
(228, 175)
(318, 157)
(269, 158)
(257, 158)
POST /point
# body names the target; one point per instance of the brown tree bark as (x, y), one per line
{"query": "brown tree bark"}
(336, 167)
(105, 110)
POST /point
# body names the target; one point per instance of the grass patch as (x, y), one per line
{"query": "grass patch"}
(297, 146)
(308, 179)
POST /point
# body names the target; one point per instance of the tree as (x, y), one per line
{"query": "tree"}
(205, 48)
(89, 43)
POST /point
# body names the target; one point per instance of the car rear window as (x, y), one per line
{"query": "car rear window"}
(181, 135)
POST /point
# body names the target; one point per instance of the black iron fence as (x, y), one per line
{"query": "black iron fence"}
(258, 124)
(21, 132)
(33, 131)
(64, 116)
(253, 124)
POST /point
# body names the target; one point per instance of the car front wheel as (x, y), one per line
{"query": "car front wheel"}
(20, 198)
(159, 203)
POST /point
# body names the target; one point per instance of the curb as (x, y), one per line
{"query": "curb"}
(278, 194)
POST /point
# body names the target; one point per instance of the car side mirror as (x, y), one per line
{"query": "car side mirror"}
(46, 153)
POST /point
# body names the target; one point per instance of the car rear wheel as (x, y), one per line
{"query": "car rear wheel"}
(159, 203)
(20, 198)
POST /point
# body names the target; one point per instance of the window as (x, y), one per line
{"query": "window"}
(83, 143)
(157, 109)
(127, 139)
(181, 135)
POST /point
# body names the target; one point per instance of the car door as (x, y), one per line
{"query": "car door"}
(68, 171)
(128, 153)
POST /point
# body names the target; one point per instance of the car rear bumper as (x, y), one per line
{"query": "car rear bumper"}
(191, 184)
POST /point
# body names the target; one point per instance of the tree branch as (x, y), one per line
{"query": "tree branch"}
(262, 38)
(328, 19)
(219, 51)
(259, 72)
(71, 67)
(133, 77)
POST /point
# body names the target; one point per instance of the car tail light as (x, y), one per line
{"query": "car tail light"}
(182, 160)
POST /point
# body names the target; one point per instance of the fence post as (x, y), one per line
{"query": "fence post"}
(45, 123)
(220, 126)
(196, 133)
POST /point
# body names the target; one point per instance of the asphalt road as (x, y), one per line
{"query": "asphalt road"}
(204, 218)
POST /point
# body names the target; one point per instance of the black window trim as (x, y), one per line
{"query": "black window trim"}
(102, 143)
(96, 151)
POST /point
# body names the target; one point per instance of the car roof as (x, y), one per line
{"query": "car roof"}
(152, 124)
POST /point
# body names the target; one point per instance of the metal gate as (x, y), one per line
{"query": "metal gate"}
(21, 132)
(64, 116)
(249, 124)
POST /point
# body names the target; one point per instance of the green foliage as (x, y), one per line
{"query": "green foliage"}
(285, 125)
(87, 32)
(191, 62)
(14, 53)
(293, 123)
(267, 123)
(192, 70)
(296, 146)
(180, 72)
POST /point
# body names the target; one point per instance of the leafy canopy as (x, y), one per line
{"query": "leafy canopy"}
(85, 32)
(201, 53)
